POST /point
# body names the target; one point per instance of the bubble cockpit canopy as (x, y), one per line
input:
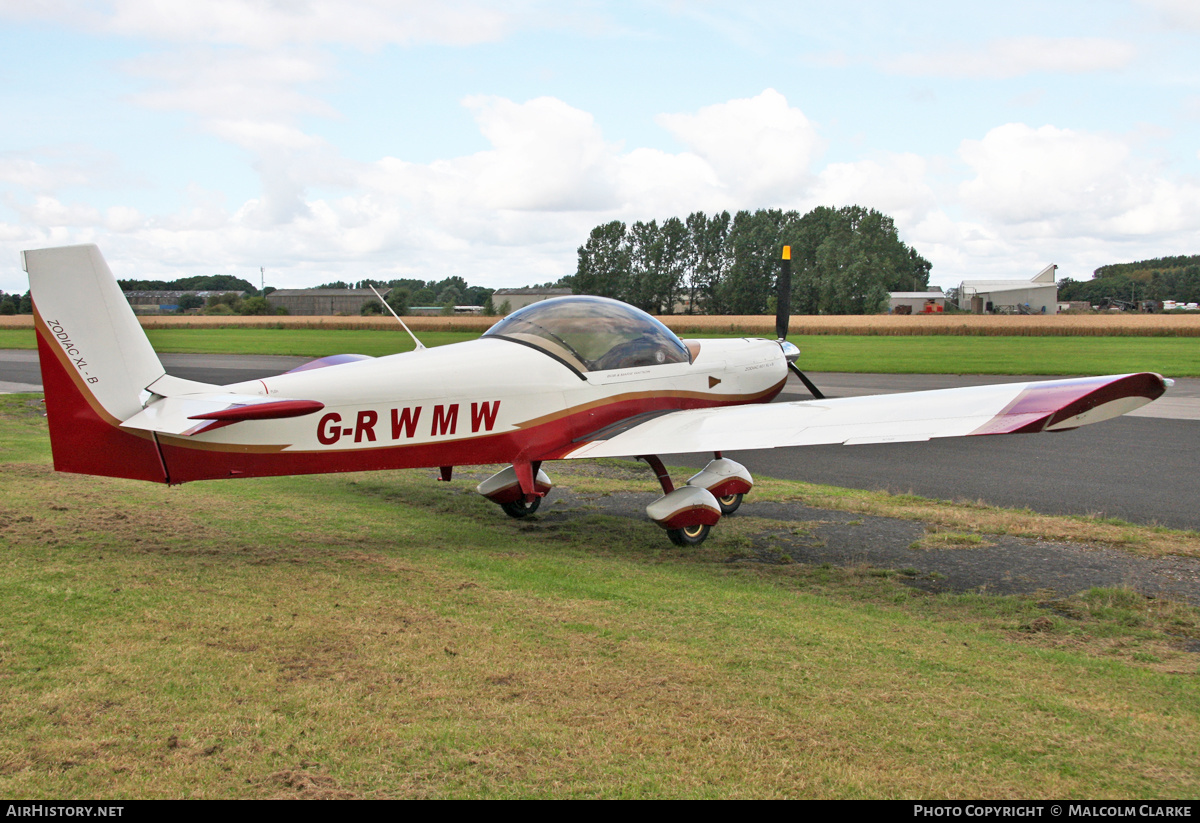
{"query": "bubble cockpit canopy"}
(592, 334)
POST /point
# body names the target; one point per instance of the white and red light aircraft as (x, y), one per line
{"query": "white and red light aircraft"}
(562, 379)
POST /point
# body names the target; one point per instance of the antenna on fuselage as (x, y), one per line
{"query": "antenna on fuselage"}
(783, 317)
(420, 345)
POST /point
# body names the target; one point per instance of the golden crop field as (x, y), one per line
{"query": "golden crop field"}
(1061, 325)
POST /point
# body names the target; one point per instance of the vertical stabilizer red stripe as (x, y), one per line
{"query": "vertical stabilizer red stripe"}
(81, 439)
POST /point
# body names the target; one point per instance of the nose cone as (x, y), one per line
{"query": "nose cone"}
(790, 352)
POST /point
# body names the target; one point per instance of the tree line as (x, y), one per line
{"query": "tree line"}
(1163, 278)
(1144, 269)
(844, 261)
(200, 282)
(16, 303)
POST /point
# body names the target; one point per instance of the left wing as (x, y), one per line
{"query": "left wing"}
(1052, 405)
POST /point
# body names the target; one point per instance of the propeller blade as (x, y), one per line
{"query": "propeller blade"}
(783, 295)
(808, 384)
(783, 317)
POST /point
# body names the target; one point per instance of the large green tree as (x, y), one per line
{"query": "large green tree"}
(707, 261)
(604, 262)
(844, 261)
(754, 242)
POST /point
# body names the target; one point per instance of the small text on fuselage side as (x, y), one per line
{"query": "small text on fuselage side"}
(64, 340)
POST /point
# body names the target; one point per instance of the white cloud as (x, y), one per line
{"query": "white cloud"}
(251, 99)
(514, 213)
(271, 23)
(49, 169)
(1016, 56)
(1177, 13)
(122, 219)
(264, 136)
(1055, 195)
(758, 146)
(894, 184)
(546, 156)
(523, 205)
(1059, 183)
(50, 212)
(1024, 174)
(656, 184)
(231, 83)
(21, 170)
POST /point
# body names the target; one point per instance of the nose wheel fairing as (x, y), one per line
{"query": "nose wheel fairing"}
(506, 489)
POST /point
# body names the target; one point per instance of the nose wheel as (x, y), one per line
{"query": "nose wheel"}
(504, 489)
(689, 535)
(519, 508)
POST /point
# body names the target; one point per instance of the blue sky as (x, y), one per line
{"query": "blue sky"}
(330, 140)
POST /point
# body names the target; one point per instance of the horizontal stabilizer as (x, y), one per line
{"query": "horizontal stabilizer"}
(1001, 409)
(274, 410)
(191, 414)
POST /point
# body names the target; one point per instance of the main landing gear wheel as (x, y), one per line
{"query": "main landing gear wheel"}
(729, 503)
(519, 508)
(689, 535)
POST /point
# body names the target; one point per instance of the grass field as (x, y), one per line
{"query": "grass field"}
(385, 635)
(926, 354)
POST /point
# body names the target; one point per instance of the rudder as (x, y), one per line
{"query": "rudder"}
(96, 361)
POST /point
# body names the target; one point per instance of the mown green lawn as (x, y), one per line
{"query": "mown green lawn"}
(1170, 356)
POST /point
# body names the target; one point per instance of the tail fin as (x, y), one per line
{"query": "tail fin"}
(96, 362)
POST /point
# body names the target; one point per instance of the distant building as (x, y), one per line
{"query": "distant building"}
(433, 311)
(159, 302)
(1038, 295)
(520, 298)
(329, 302)
(916, 302)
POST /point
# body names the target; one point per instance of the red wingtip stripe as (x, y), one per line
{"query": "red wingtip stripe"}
(1043, 404)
